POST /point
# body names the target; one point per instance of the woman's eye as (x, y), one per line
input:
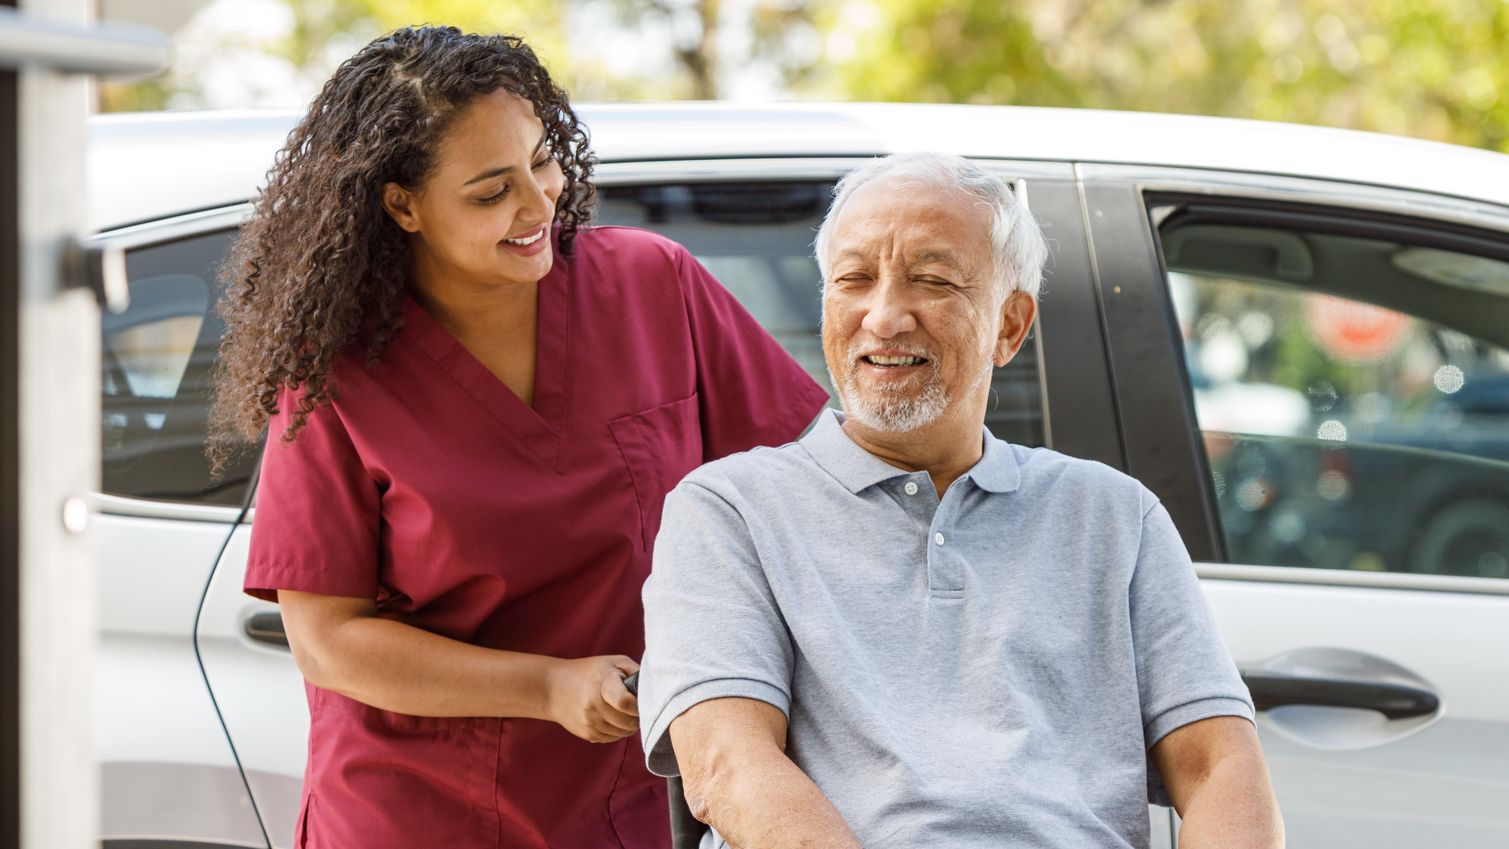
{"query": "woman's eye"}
(493, 198)
(544, 161)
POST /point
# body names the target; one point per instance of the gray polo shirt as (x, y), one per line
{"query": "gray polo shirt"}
(985, 670)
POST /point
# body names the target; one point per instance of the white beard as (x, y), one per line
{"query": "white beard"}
(896, 410)
(893, 412)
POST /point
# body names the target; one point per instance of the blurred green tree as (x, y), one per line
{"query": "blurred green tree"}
(326, 31)
(691, 45)
(1434, 70)
(707, 39)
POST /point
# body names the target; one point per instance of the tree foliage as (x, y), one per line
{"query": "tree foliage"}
(1433, 69)
(326, 31)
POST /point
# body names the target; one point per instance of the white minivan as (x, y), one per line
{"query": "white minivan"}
(1297, 337)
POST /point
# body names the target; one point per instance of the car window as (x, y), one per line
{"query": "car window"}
(155, 366)
(756, 238)
(1352, 391)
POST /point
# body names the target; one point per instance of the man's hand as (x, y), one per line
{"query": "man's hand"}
(1216, 777)
(737, 778)
(587, 697)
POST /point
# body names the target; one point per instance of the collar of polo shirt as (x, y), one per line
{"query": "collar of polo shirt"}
(858, 469)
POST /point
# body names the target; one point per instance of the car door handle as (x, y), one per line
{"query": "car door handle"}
(1395, 701)
(266, 627)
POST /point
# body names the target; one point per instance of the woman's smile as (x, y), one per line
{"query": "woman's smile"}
(529, 244)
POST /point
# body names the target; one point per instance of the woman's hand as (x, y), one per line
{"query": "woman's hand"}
(342, 644)
(587, 697)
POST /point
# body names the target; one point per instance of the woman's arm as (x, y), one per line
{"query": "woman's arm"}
(340, 644)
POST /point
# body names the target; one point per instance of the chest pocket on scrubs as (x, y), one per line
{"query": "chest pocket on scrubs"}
(660, 446)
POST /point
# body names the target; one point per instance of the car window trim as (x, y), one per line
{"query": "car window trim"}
(164, 230)
(200, 222)
(1148, 384)
(1347, 578)
(1321, 218)
(1213, 185)
(107, 504)
(792, 169)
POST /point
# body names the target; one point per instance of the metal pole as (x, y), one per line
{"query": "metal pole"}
(71, 47)
(49, 421)
(10, 455)
(58, 343)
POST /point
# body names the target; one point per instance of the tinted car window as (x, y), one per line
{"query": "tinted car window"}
(756, 238)
(155, 361)
(1353, 400)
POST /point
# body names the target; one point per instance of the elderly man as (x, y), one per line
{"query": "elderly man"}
(903, 632)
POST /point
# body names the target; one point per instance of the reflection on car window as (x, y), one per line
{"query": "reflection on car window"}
(152, 344)
(1340, 433)
(155, 361)
(756, 238)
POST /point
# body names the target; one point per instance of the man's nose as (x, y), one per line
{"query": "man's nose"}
(888, 313)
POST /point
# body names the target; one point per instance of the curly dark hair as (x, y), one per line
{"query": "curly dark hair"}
(321, 266)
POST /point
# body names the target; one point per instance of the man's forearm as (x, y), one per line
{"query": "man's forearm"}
(1233, 808)
(759, 799)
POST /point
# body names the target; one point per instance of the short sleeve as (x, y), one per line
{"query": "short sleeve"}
(317, 517)
(712, 626)
(1184, 671)
(752, 392)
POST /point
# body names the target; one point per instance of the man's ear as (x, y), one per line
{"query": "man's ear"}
(398, 202)
(1017, 315)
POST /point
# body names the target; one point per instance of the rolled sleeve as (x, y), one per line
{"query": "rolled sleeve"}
(1171, 720)
(1184, 671)
(660, 756)
(713, 628)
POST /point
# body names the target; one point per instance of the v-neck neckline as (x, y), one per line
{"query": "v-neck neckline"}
(538, 425)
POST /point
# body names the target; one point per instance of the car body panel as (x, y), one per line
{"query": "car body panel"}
(1348, 777)
(260, 692)
(169, 163)
(167, 769)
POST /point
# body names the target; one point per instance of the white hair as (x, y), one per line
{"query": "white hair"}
(1017, 248)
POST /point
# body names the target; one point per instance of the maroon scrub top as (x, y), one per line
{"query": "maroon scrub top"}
(431, 487)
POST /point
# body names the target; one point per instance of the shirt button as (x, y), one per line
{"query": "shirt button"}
(938, 538)
(910, 488)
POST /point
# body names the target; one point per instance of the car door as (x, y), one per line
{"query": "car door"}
(1315, 378)
(751, 222)
(167, 770)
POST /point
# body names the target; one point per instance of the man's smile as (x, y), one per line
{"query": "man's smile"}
(893, 365)
(889, 362)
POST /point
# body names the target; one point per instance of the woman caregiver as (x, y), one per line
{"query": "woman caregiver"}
(474, 406)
